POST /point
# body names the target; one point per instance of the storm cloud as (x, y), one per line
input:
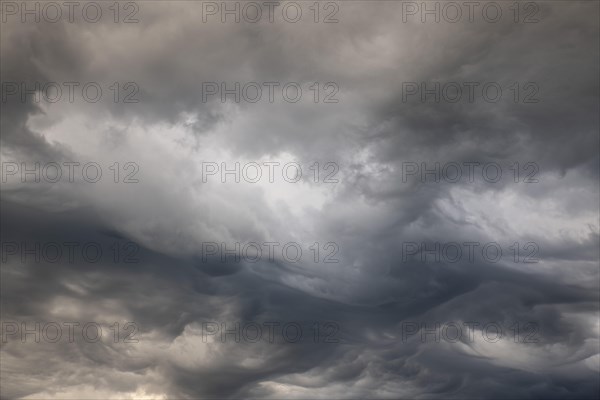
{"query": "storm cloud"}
(424, 222)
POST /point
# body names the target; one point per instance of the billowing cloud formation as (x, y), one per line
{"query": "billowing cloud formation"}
(419, 302)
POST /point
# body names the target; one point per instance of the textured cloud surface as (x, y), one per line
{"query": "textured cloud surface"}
(384, 272)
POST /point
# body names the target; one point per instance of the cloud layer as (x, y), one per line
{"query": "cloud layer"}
(369, 319)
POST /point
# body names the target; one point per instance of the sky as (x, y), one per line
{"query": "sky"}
(300, 200)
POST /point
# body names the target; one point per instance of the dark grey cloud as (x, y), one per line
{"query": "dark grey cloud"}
(377, 302)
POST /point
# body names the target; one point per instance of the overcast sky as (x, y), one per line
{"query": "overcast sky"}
(400, 176)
